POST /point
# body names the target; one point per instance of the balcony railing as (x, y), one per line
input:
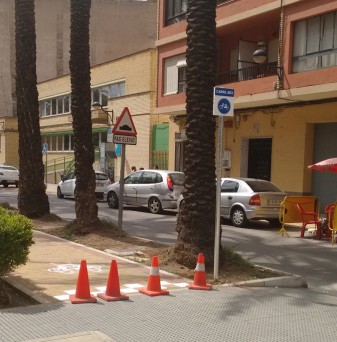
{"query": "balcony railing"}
(249, 73)
(219, 2)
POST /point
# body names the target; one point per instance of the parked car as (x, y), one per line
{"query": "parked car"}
(244, 199)
(67, 184)
(9, 175)
(156, 189)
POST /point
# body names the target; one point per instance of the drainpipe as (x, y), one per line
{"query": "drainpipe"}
(279, 83)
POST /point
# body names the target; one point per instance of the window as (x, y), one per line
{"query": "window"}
(149, 177)
(102, 94)
(65, 142)
(61, 104)
(182, 80)
(66, 139)
(175, 11)
(315, 43)
(54, 106)
(117, 89)
(229, 186)
(133, 178)
(174, 74)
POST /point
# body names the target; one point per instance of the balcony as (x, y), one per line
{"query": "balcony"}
(220, 2)
(255, 71)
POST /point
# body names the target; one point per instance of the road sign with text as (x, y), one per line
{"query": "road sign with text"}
(124, 139)
(223, 102)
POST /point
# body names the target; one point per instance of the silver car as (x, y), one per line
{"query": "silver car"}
(244, 199)
(155, 189)
(67, 184)
(9, 175)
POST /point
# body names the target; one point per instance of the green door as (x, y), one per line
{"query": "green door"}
(160, 143)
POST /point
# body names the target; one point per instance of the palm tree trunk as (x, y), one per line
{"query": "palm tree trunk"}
(32, 198)
(85, 199)
(196, 220)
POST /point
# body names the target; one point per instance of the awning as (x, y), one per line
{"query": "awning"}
(98, 129)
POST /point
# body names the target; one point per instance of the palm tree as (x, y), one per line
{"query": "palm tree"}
(32, 197)
(85, 199)
(196, 219)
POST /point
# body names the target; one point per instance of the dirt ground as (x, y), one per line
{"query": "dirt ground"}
(235, 268)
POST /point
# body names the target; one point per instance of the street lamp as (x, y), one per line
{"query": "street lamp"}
(109, 113)
(260, 55)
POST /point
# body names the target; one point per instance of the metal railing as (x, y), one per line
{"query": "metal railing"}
(220, 2)
(250, 73)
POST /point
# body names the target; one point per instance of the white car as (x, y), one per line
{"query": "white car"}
(67, 184)
(9, 175)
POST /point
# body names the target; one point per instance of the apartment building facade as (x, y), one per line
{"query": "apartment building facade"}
(280, 57)
(129, 82)
(118, 28)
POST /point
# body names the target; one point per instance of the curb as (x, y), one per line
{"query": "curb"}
(39, 297)
(291, 281)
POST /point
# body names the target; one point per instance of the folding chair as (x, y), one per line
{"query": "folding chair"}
(309, 217)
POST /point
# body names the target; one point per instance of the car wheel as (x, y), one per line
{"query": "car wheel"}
(16, 184)
(275, 223)
(155, 205)
(181, 205)
(238, 217)
(59, 193)
(5, 184)
(112, 200)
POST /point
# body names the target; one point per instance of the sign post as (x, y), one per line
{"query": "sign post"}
(124, 133)
(223, 105)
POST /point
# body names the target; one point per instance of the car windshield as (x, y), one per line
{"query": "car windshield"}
(260, 186)
(101, 176)
(177, 178)
(8, 168)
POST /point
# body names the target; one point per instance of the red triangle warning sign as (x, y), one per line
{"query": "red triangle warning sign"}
(124, 124)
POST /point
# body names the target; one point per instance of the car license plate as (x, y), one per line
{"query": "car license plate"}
(274, 202)
(100, 184)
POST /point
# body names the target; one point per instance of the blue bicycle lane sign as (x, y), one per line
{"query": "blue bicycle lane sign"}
(223, 102)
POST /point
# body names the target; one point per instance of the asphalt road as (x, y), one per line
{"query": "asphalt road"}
(136, 221)
(315, 260)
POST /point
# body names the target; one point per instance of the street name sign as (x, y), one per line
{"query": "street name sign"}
(223, 102)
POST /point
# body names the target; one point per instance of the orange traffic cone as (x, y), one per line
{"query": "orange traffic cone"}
(199, 282)
(153, 284)
(112, 292)
(82, 294)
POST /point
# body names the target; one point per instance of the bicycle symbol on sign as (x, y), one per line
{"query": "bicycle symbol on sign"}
(72, 268)
(224, 106)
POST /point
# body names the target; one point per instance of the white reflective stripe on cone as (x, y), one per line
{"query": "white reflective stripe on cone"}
(200, 268)
(154, 271)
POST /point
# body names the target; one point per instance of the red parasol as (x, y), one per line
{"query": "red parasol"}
(325, 165)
